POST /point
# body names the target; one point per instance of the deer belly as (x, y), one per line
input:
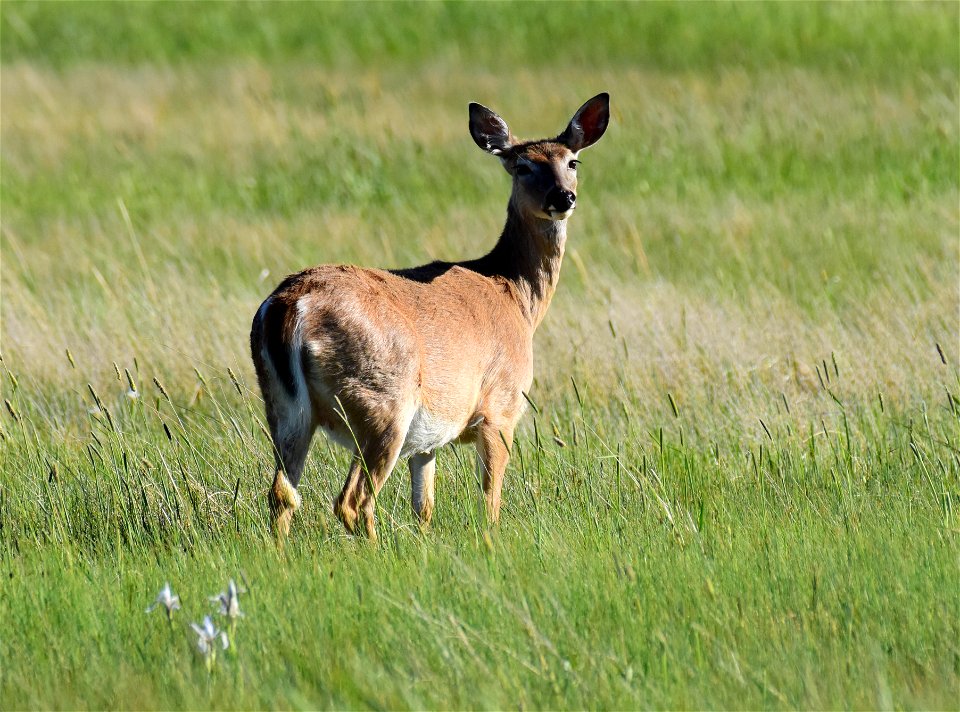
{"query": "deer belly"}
(428, 431)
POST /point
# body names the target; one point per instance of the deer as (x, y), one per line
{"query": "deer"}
(394, 364)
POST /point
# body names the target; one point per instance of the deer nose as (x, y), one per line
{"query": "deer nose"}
(560, 200)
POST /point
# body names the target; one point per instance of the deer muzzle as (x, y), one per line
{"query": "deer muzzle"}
(559, 203)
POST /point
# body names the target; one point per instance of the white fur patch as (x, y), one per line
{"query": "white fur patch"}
(427, 432)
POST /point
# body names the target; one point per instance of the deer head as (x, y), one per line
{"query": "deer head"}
(544, 171)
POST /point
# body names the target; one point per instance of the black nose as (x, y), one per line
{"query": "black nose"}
(559, 200)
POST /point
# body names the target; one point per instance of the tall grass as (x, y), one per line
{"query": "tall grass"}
(739, 483)
(703, 36)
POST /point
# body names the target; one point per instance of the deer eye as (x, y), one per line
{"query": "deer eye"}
(523, 169)
(573, 165)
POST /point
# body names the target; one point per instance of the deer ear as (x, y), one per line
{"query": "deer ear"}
(588, 124)
(489, 131)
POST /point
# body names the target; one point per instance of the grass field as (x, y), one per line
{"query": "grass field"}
(740, 486)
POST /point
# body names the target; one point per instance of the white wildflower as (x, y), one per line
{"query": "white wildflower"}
(166, 599)
(207, 637)
(229, 601)
(133, 393)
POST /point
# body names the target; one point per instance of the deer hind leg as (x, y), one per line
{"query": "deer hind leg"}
(423, 470)
(288, 408)
(493, 449)
(380, 461)
(346, 505)
(291, 437)
(368, 471)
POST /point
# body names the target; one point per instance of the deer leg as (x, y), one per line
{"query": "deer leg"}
(494, 452)
(345, 507)
(380, 459)
(367, 475)
(292, 440)
(423, 469)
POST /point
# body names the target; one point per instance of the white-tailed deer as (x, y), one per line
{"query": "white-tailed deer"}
(396, 363)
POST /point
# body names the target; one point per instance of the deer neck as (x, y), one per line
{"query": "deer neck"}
(529, 253)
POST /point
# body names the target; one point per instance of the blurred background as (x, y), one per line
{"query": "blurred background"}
(778, 187)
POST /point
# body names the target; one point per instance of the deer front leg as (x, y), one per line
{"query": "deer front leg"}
(493, 448)
(423, 469)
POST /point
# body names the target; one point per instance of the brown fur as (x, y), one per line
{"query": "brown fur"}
(418, 357)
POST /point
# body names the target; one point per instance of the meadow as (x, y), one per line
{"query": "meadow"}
(738, 484)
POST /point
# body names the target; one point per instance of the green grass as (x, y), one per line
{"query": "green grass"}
(811, 569)
(739, 488)
(703, 36)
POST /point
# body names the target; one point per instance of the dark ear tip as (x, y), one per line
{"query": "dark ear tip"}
(477, 109)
